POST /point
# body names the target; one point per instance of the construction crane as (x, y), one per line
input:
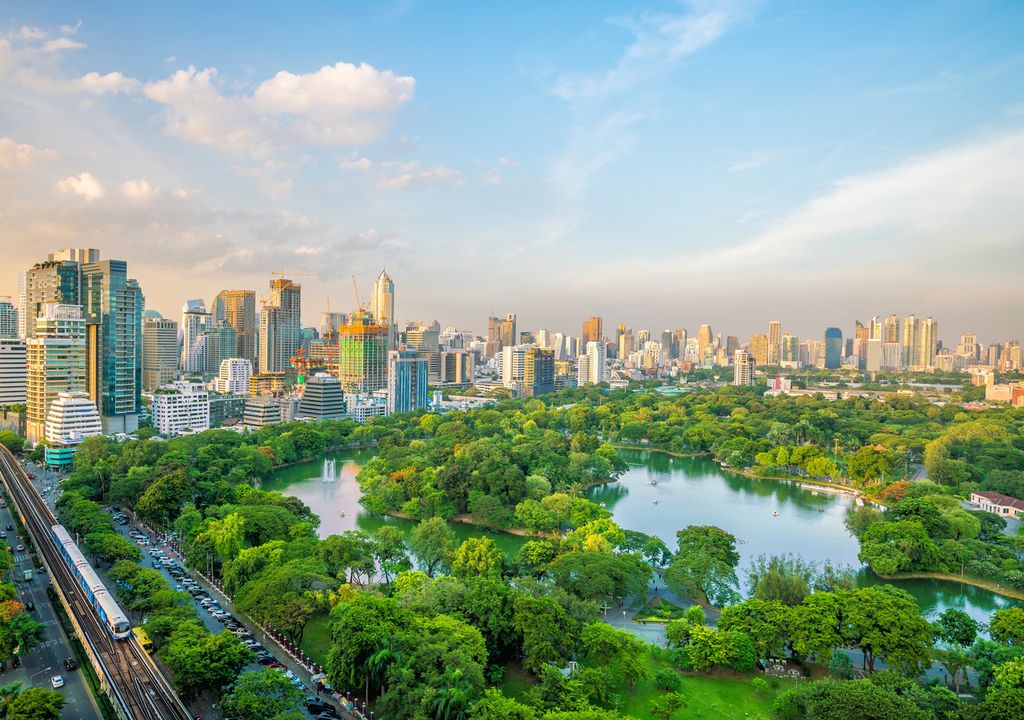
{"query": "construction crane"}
(359, 299)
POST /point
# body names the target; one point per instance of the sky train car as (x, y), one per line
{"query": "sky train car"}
(109, 612)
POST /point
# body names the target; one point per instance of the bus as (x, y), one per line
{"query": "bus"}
(143, 639)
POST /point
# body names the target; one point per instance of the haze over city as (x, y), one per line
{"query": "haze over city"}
(661, 165)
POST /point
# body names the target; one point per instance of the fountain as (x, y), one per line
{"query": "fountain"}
(329, 473)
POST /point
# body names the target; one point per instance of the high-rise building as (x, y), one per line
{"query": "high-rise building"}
(363, 354)
(407, 381)
(759, 348)
(626, 342)
(159, 350)
(329, 324)
(322, 399)
(539, 371)
(237, 309)
(72, 418)
(790, 348)
(592, 330)
(112, 305)
(13, 371)
(22, 301)
(705, 344)
(56, 362)
(513, 366)
(743, 368)
(875, 329)
(221, 344)
(52, 281)
(423, 338)
(668, 345)
(891, 329)
(8, 319)
(833, 348)
(595, 363)
(928, 338)
(911, 342)
(233, 377)
(280, 326)
(457, 367)
(873, 355)
(382, 302)
(195, 321)
(774, 340)
(181, 407)
(679, 343)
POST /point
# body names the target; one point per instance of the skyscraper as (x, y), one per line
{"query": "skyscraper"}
(774, 349)
(112, 305)
(596, 363)
(911, 342)
(891, 329)
(705, 343)
(237, 308)
(159, 350)
(592, 330)
(13, 371)
(280, 326)
(539, 371)
(743, 368)
(833, 348)
(790, 348)
(423, 338)
(195, 320)
(407, 381)
(8, 319)
(221, 344)
(759, 348)
(928, 339)
(362, 354)
(52, 281)
(382, 302)
(56, 362)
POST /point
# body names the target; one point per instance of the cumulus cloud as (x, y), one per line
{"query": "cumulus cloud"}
(20, 155)
(138, 189)
(337, 105)
(111, 83)
(83, 184)
(405, 175)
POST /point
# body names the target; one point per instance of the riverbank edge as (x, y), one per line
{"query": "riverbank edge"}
(992, 587)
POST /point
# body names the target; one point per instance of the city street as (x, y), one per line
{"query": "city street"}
(46, 659)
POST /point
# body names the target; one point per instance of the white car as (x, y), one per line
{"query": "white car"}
(57, 681)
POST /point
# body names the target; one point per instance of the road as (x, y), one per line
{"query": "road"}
(47, 658)
(138, 689)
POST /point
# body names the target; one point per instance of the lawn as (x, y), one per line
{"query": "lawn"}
(316, 640)
(708, 697)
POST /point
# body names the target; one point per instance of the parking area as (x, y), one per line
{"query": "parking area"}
(217, 614)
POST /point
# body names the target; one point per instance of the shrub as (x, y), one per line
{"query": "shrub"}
(668, 679)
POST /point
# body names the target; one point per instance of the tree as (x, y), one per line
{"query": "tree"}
(18, 630)
(883, 621)
(36, 704)
(620, 652)
(845, 700)
(1007, 626)
(263, 695)
(201, 660)
(710, 647)
(549, 633)
(495, 706)
(595, 575)
(12, 441)
(477, 556)
(783, 578)
(433, 542)
(360, 627)
(390, 551)
(765, 623)
(664, 707)
(956, 627)
(1005, 697)
(704, 566)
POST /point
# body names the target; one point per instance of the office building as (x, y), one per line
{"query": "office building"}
(833, 348)
(407, 381)
(911, 342)
(743, 368)
(501, 332)
(928, 339)
(280, 326)
(382, 302)
(592, 330)
(233, 377)
(195, 321)
(539, 371)
(112, 305)
(8, 319)
(361, 407)
(159, 350)
(13, 372)
(774, 349)
(72, 418)
(457, 367)
(221, 344)
(237, 310)
(181, 407)
(56, 362)
(261, 411)
(790, 348)
(759, 348)
(592, 367)
(513, 360)
(705, 344)
(424, 339)
(52, 281)
(322, 399)
(873, 355)
(363, 354)
(267, 384)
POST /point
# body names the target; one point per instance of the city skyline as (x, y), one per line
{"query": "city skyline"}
(825, 168)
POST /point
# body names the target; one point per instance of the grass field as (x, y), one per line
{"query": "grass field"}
(316, 640)
(708, 697)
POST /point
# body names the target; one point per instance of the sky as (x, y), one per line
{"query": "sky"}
(661, 164)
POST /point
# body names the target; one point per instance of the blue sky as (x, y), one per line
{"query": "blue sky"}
(660, 164)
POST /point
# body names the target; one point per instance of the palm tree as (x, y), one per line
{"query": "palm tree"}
(451, 701)
(377, 665)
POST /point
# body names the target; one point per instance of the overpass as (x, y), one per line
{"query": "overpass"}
(136, 687)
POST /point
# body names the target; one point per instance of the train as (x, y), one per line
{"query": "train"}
(109, 612)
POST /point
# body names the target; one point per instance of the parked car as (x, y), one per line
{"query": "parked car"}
(57, 681)
(70, 664)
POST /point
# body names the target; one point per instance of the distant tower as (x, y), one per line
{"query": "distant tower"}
(280, 326)
(382, 303)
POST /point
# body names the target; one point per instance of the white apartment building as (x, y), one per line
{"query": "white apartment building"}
(13, 371)
(592, 367)
(72, 417)
(234, 377)
(180, 407)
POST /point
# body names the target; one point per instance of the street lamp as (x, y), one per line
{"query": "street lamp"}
(44, 670)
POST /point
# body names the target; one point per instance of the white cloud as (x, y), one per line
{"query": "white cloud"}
(111, 83)
(659, 39)
(406, 175)
(493, 177)
(356, 163)
(340, 104)
(19, 155)
(58, 44)
(83, 184)
(138, 190)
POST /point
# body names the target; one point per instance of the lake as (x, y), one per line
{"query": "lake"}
(766, 516)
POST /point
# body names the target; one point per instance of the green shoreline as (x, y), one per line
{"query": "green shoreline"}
(962, 579)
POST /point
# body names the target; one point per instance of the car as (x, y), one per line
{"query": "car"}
(29, 605)
(9, 527)
(70, 664)
(266, 660)
(315, 705)
(57, 681)
(241, 633)
(179, 588)
(328, 714)
(20, 547)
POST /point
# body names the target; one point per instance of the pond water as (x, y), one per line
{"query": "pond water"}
(766, 516)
